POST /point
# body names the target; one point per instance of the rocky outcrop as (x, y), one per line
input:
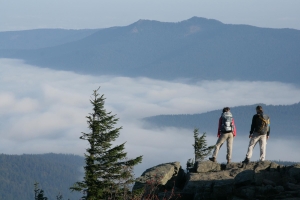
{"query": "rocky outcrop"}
(256, 180)
(164, 175)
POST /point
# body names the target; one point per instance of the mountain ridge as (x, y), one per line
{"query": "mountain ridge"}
(41, 38)
(284, 119)
(197, 48)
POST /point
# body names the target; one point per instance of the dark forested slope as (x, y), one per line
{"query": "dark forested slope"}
(196, 48)
(284, 120)
(54, 172)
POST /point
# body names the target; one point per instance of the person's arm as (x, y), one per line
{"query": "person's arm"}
(252, 125)
(234, 128)
(269, 128)
(219, 127)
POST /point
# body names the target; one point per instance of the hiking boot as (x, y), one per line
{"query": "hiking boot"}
(228, 161)
(246, 161)
(213, 159)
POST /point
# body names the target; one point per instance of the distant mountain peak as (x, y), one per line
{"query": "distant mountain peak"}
(189, 26)
(145, 21)
(193, 20)
(201, 20)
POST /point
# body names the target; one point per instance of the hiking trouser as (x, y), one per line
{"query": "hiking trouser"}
(224, 137)
(262, 139)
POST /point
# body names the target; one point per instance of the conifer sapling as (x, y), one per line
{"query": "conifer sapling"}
(201, 149)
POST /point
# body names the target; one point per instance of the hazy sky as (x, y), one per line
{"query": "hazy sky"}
(79, 14)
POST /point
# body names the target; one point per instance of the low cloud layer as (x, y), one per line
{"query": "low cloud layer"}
(43, 110)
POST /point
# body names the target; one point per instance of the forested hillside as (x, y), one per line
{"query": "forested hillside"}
(54, 172)
(41, 38)
(197, 48)
(284, 120)
(285, 163)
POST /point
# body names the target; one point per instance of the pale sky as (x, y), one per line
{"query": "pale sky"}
(80, 14)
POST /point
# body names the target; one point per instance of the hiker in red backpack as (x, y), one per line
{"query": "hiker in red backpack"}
(226, 132)
(260, 132)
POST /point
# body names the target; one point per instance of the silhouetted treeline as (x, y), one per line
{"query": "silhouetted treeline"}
(286, 163)
(284, 120)
(54, 172)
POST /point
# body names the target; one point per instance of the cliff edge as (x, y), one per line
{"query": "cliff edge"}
(209, 180)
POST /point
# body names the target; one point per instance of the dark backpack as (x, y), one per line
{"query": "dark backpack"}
(262, 123)
(226, 124)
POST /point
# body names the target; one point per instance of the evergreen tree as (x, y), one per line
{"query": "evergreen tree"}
(38, 193)
(190, 165)
(59, 196)
(200, 147)
(107, 170)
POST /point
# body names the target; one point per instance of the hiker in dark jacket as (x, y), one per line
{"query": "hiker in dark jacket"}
(226, 132)
(260, 132)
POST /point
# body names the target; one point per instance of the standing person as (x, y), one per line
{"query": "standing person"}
(226, 132)
(260, 132)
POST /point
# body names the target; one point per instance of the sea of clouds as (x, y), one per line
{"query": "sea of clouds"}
(43, 110)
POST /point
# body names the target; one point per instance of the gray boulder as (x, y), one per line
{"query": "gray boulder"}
(164, 175)
(209, 185)
(275, 167)
(294, 172)
(250, 166)
(259, 166)
(244, 178)
(233, 172)
(222, 188)
(203, 181)
(268, 182)
(267, 178)
(207, 166)
(245, 192)
(292, 186)
(269, 190)
(262, 165)
(233, 166)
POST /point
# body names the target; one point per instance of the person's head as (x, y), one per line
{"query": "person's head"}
(226, 109)
(259, 109)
